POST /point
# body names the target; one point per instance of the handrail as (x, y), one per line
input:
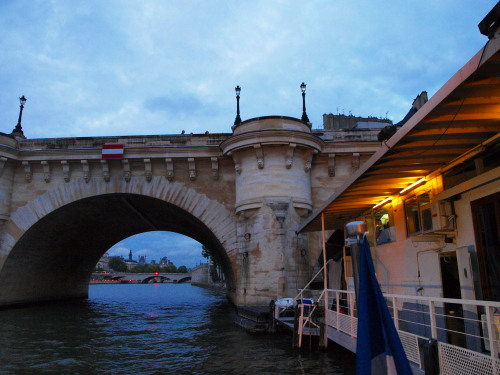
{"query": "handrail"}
(304, 321)
(314, 277)
(435, 299)
(445, 300)
(491, 309)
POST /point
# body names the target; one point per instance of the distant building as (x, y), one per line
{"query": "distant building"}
(388, 131)
(130, 262)
(103, 263)
(418, 102)
(164, 262)
(142, 259)
(343, 122)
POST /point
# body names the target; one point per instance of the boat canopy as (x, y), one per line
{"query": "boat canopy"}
(459, 120)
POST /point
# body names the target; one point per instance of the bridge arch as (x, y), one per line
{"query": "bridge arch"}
(51, 244)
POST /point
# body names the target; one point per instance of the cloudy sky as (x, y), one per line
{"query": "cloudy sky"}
(181, 250)
(126, 67)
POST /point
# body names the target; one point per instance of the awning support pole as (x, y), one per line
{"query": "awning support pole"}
(325, 273)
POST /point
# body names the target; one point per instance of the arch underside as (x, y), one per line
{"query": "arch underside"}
(55, 257)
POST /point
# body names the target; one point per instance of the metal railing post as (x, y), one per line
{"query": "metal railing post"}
(337, 294)
(491, 333)
(395, 313)
(351, 309)
(432, 312)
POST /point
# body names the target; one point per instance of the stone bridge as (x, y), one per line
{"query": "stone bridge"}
(242, 194)
(143, 277)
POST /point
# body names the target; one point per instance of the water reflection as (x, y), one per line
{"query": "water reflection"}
(149, 329)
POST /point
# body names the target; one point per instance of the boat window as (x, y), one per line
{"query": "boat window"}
(418, 214)
(385, 231)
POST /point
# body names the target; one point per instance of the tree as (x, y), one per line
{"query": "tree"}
(205, 253)
(216, 270)
(171, 269)
(118, 265)
(182, 269)
(139, 269)
(155, 268)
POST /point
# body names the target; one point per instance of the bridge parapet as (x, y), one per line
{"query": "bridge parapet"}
(171, 156)
(128, 141)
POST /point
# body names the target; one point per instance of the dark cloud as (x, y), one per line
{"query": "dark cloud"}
(182, 104)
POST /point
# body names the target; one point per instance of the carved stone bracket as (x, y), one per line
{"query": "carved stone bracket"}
(308, 156)
(27, 171)
(259, 154)
(289, 155)
(215, 168)
(192, 169)
(105, 170)
(170, 169)
(66, 170)
(331, 165)
(3, 160)
(280, 210)
(126, 170)
(148, 170)
(86, 170)
(237, 164)
(46, 171)
(355, 161)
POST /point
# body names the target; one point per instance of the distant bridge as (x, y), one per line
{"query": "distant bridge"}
(143, 278)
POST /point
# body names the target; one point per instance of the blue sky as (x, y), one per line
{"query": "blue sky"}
(181, 250)
(127, 67)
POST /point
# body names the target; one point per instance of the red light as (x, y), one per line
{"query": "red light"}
(156, 273)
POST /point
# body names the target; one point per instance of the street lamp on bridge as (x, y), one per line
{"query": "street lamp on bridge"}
(19, 129)
(304, 114)
(237, 120)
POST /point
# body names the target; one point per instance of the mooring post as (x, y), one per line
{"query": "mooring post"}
(272, 317)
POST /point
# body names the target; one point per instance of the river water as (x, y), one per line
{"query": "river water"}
(150, 329)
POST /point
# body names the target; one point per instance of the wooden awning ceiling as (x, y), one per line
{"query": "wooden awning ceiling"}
(462, 115)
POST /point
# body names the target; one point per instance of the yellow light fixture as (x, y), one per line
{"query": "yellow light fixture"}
(386, 200)
(412, 186)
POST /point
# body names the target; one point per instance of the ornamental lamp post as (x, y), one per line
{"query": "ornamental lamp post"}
(304, 114)
(18, 129)
(237, 120)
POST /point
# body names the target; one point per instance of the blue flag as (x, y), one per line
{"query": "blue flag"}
(378, 349)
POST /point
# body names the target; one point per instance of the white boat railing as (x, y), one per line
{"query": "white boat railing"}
(306, 307)
(467, 332)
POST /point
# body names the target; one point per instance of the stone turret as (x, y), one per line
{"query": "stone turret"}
(272, 157)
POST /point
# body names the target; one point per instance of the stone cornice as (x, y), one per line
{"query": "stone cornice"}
(271, 137)
(350, 147)
(9, 151)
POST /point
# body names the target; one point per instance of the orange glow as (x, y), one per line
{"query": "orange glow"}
(387, 200)
(412, 186)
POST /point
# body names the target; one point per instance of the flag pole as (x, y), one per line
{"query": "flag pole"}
(378, 347)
